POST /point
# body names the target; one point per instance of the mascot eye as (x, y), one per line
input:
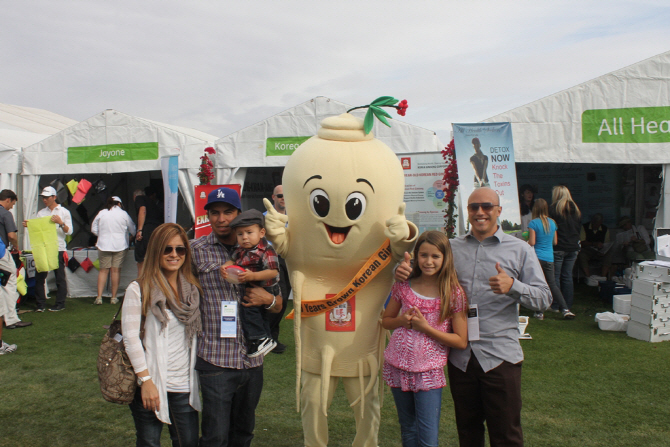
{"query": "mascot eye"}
(355, 206)
(319, 202)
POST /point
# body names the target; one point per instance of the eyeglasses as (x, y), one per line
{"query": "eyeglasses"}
(180, 249)
(486, 206)
(279, 196)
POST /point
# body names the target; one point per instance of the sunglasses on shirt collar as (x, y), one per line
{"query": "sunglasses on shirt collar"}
(180, 249)
(486, 206)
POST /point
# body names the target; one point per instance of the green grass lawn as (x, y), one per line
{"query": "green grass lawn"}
(581, 387)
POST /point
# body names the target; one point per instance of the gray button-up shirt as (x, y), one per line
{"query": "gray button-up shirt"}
(498, 314)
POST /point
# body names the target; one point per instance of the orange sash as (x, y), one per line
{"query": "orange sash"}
(379, 259)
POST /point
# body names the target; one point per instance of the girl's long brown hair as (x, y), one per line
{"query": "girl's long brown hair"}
(446, 278)
(541, 211)
(152, 274)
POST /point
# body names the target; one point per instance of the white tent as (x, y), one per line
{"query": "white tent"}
(619, 118)
(107, 144)
(248, 147)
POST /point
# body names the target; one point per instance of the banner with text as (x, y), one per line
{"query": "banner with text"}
(202, 227)
(485, 157)
(424, 190)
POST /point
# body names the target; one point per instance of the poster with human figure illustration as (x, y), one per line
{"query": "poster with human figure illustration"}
(485, 157)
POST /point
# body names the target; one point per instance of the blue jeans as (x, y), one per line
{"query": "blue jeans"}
(148, 428)
(419, 416)
(550, 276)
(229, 400)
(564, 262)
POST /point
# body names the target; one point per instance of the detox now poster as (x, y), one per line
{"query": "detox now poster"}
(485, 157)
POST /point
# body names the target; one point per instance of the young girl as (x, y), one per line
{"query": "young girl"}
(543, 236)
(428, 316)
(166, 298)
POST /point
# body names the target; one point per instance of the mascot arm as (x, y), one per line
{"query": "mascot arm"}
(275, 229)
(401, 233)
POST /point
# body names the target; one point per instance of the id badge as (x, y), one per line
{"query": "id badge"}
(228, 319)
(473, 323)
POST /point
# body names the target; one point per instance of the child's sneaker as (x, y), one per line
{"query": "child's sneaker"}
(6, 348)
(539, 315)
(260, 347)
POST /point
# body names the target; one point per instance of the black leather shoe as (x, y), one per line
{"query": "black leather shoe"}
(19, 324)
(280, 348)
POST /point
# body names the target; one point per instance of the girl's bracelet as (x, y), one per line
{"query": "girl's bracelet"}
(274, 301)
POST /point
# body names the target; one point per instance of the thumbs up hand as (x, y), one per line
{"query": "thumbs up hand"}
(502, 282)
(404, 269)
(396, 227)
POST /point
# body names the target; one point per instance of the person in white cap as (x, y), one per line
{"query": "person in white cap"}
(112, 226)
(61, 217)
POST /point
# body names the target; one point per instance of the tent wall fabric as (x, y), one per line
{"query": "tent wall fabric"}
(100, 135)
(248, 147)
(550, 129)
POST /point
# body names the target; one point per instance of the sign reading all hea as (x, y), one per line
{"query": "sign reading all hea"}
(283, 146)
(633, 125)
(112, 152)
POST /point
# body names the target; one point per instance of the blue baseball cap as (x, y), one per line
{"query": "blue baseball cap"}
(225, 195)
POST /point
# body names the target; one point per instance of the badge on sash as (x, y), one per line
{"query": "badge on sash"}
(473, 323)
(342, 318)
(228, 319)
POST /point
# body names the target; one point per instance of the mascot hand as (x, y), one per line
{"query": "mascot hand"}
(396, 227)
(275, 228)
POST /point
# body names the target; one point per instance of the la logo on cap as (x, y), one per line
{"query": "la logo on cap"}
(220, 194)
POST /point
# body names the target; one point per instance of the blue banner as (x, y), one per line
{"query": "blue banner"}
(485, 157)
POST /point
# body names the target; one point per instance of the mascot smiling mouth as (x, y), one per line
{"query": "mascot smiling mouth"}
(337, 234)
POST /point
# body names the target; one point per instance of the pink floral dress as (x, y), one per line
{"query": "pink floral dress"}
(413, 361)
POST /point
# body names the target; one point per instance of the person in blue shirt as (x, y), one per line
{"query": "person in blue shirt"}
(542, 236)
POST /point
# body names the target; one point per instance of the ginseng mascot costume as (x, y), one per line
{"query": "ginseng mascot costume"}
(344, 195)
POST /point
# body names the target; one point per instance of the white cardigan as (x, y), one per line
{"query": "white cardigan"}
(153, 355)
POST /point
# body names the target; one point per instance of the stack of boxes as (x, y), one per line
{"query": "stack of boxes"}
(650, 303)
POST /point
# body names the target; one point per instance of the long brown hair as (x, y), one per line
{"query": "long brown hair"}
(152, 274)
(446, 278)
(541, 211)
(562, 200)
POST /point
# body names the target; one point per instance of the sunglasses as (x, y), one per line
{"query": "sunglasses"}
(486, 206)
(180, 249)
(279, 196)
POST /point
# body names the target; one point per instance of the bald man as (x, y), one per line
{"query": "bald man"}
(497, 272)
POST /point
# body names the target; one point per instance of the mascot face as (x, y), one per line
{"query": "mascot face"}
(339, 193)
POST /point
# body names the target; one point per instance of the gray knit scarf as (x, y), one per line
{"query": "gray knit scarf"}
(188, 312)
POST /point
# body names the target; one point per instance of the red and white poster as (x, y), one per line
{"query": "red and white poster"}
(202, 227)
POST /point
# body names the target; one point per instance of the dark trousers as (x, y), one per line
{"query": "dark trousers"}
(253, 320)
(184, 422)
(61, 284)
(494, 397)
(229, 400)
(274, 320)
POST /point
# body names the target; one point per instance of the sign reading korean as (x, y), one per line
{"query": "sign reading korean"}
(424, 190)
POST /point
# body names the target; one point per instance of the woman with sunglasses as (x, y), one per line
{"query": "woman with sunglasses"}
(161, 321)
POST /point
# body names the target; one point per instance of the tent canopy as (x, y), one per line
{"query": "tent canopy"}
(254, 145)
(113, 142)
(621, 117)
(28, 119)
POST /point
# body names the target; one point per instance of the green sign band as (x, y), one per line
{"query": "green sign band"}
(112, 152)
(633, 125)
(283, 146)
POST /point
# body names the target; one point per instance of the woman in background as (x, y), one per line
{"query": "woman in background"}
(526, 202)
(542, 236)
(112, 226)
(163, 304)
(568, 219)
